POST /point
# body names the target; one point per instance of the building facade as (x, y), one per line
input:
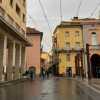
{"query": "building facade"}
(68, 41)
(45, 60)
(33, 53)
(12, 39)
(76, 43)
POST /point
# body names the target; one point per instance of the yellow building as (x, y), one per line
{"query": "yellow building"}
(77, 45)
(12, 38)
(45, 59)
(67, 42)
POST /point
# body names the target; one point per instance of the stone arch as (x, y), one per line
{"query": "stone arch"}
(95, 65)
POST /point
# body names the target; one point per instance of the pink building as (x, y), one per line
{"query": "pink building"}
(33, 53)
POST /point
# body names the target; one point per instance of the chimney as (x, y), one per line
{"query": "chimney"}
(75, 18)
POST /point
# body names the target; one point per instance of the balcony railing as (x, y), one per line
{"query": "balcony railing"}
(67, 50)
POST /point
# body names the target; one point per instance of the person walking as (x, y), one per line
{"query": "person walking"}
(42, 73)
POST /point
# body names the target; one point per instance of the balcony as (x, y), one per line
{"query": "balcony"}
(77, 48)
(67, 50)
(56, 49)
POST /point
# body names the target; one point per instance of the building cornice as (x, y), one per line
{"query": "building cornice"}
(13, 31)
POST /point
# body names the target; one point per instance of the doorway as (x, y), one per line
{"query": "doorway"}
(95, 65)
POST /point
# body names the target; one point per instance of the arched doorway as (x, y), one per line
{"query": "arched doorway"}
(95, 65)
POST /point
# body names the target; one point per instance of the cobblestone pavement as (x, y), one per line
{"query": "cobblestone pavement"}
(52, 89)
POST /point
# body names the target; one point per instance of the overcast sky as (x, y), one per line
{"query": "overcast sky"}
(52, 9)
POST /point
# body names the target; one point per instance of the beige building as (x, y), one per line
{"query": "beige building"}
(12, 38)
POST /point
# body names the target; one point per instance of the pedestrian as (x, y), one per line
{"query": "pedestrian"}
(34, 73)
(47, 73)
(31, 74)
(42, 73)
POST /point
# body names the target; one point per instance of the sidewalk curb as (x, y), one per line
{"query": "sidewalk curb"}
(89, 86)
(90, 90)
(8, 83)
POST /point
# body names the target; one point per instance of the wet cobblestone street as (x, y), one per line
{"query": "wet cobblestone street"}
(52, 89)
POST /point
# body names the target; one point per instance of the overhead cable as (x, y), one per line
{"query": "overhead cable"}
(45, 15)
(94, 10)
(30, 17)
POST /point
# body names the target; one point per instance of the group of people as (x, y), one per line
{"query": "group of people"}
(69, 72)
(44, 73)
(31, 73)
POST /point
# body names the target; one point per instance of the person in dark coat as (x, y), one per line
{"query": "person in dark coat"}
(42, 73)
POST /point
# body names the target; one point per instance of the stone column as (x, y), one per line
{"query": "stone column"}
(17, 57)
(23, 59)
(3, 48)
(17, 62)
(11, 60)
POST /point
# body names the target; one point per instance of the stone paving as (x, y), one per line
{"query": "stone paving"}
(51, 89)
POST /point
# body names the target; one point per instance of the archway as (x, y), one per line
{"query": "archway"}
(95, 65)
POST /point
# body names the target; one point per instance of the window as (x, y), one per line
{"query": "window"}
(24, 2)
(17, 9)
(67, 45)
(67, 34)
(0, 1)
(77, 44)
(24, 18)
(68, 57)
(94, 38)
(11, 3)
(77, 33)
